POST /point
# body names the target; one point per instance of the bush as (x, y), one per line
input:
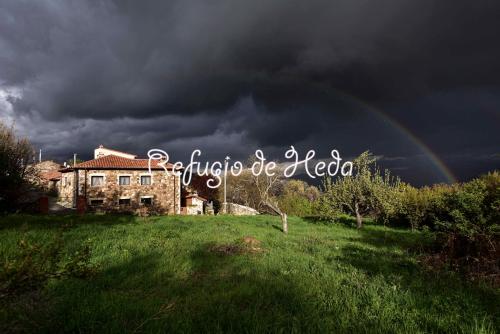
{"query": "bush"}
(469, 209)
(416, 208)
(35, 264)
(465, 216)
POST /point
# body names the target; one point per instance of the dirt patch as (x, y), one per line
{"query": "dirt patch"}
(227, 249)
(246, 245)
(252, 243)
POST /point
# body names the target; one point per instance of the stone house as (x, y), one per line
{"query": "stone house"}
(48, 174)
(193, 204)
(120, 182)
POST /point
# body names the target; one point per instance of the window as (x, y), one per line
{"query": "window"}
(124, 201)
(124, 180)
(96, 202)
(96, 180)
(145, 180)
(66, 181)
(146, 200)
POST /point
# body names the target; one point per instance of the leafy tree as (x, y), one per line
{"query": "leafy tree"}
(367, 191)
(298, 198)
(71, 162)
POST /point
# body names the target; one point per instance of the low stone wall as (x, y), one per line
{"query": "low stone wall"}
(239, 210)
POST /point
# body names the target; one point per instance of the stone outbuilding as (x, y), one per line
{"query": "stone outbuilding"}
(194, 204)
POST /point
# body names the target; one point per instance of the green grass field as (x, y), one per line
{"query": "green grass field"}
(192, 274)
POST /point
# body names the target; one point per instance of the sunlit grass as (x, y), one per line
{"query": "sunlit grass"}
(160, 274)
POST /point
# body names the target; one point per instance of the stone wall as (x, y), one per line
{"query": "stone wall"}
(66, 191)
(239, 210)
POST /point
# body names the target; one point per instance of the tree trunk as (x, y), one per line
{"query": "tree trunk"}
(285, 223)
(359, 220)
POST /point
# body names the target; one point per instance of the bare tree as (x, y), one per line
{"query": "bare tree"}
(266, 186)
(258, 191)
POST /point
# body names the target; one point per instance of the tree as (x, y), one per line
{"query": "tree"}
(265, 184)
(366, 191)
(16, 173)
(298, 198)
(199, 184)
(241, 190)
(260, 192)
(71, 162)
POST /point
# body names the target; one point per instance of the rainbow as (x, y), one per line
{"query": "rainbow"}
(401, 129)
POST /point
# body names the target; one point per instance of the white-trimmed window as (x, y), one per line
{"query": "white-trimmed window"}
(97, 180)
(124, 180)
(146, 179)
(147, 200)
(96, 201)
(124, 201)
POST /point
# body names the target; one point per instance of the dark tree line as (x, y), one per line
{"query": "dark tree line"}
(17, 174)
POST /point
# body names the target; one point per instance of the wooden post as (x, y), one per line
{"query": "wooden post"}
(285, 223)
(359, 220)
(81, 205)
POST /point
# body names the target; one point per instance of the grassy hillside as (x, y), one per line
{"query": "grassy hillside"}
(181, 274)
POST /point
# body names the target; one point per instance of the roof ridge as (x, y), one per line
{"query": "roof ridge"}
(117, 151)
(112, 161)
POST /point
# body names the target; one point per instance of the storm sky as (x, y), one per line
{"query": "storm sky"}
(416, 82)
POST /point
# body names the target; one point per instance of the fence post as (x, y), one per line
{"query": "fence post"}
(43, 205)
(81, 205)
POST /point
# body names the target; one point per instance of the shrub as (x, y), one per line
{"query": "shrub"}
(35, 264)
(418, 207)
(468, 209)
(466, 218)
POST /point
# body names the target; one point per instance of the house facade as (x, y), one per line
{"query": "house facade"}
(120, 182)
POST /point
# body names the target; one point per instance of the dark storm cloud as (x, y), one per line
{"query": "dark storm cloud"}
(231, 75)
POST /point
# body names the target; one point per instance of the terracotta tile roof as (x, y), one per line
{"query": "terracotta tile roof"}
(52, 175)
(115, 162)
